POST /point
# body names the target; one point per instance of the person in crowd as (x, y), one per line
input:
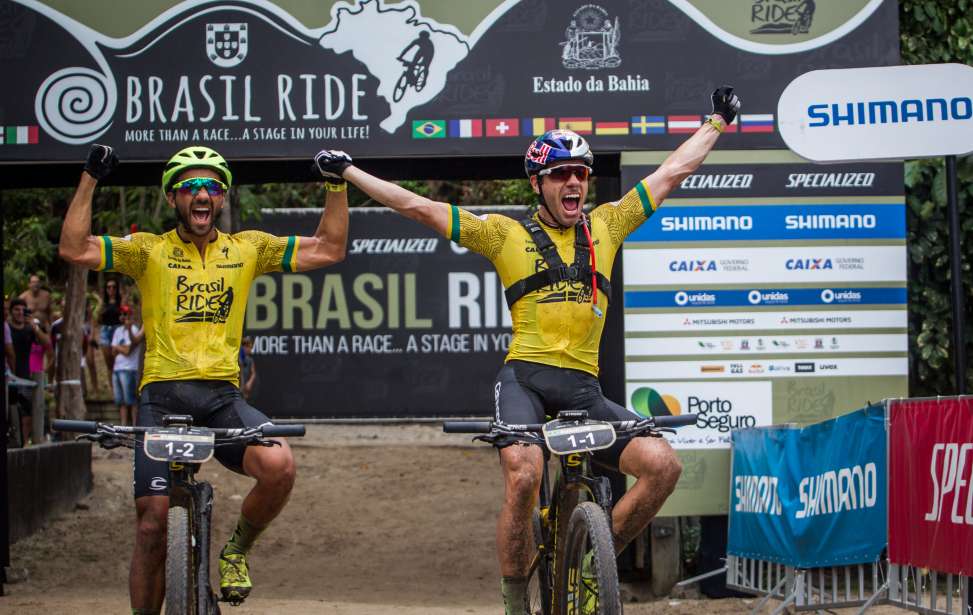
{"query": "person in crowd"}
(127, 347)
(38, 299)
(248, 369)
(24, 331)
(194, 281)
(558, 316)
(111, 303)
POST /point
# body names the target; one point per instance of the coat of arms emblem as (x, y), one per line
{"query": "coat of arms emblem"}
(592, 39)
(226, 43)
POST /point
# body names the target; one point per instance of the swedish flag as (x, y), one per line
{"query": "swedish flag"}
(428, 129)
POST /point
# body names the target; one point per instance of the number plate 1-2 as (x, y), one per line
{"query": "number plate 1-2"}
(567, 438)
(173, 444)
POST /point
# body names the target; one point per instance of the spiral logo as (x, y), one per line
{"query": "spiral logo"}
(75, 105)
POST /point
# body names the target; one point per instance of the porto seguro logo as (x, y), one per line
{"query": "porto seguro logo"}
(648, 402)
(592, 40)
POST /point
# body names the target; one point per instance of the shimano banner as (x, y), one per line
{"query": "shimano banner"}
(810, 497)
(409, 325)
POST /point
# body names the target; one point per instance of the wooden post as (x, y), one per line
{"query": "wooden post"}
(70, 401)
(666, 555)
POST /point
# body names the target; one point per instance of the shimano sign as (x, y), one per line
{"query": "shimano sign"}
(881, 113)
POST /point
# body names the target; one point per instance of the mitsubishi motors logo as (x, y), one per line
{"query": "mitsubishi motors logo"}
(226, 43)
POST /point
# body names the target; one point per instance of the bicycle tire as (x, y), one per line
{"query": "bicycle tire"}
(180, 580)
(400, 86)
(540, 580)
(588, 532)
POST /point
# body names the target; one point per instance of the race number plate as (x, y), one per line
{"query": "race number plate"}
(564, 438)
(179, 444)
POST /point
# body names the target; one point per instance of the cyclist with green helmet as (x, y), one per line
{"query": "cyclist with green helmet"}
(194, 281)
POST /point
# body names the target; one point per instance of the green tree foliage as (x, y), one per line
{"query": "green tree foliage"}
(934, 31)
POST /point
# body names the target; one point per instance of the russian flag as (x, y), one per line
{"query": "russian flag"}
(465, 128)
(757, 123)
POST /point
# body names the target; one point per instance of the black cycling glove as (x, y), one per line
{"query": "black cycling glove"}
(726, 104)
(101, 161)
(331, 163)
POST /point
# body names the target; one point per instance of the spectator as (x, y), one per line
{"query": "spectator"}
(8, 344)
(38, 299)
(248, 370)
(23, 334)
(111, 304)
(39, 350)
(126, 346)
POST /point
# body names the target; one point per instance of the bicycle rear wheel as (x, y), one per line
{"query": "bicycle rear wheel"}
(539, 577)
(180, 581)
(588, 576)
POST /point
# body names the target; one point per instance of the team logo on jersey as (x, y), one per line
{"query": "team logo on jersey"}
(203, 301)
(592, 40)
(177, 252)
(226, 43)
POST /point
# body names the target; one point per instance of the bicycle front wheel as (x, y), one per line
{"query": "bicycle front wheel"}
(588, 575)
(180, 586)
(539, 577)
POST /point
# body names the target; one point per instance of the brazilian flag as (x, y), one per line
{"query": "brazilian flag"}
(428, 129)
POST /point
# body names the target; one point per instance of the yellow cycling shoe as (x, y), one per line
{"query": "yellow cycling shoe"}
(235, 582)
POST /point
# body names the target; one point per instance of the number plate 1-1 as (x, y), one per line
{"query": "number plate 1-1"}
(177, 444)
(570, 437)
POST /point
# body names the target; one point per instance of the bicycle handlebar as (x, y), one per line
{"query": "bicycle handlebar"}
(266, 431)
(658, 422)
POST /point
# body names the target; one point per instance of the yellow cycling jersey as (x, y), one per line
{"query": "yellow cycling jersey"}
(554, 325)
(193, 309)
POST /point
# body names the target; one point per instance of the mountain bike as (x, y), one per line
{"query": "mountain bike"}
(415, 74)
(185, 448)
(572, 569)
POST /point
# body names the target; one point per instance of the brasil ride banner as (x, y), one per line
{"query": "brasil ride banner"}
(931, 484)
(810, 497)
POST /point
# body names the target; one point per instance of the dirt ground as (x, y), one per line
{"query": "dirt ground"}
(383, 519)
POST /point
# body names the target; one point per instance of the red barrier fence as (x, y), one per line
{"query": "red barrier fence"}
(931, 484)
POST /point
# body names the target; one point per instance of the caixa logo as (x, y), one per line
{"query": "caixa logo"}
(890, 111)
(796, 264)
(693, 265)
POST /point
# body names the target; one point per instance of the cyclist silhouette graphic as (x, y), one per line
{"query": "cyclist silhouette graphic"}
(417, 68)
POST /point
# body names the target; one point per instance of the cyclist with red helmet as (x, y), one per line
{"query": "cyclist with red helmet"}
(194, 281)
(554, 266)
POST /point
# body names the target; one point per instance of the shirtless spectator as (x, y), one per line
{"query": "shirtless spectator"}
(38, 299)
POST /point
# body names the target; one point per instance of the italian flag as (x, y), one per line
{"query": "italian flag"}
(20, 135)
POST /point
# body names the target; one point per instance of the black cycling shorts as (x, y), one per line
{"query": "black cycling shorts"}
(527, 392)
(212, 403)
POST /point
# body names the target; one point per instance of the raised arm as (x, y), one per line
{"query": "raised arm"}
(77, 244)
(431, 213)
(683, 162)
(330, 240)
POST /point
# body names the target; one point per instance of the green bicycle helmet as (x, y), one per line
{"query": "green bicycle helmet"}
(195, 157)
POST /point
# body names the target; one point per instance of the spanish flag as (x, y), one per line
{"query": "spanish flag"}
(580, 125)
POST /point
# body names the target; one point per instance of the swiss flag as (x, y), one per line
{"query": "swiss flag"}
(504, 127)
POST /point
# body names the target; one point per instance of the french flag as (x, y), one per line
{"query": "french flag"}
(466, 128)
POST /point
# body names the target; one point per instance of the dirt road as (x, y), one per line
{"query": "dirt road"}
(382, 520)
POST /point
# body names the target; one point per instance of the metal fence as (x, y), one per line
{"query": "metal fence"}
(928, 591)
(808, 589)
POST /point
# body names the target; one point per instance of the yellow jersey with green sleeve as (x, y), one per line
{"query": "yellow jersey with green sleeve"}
(554, 325)
(193, 308)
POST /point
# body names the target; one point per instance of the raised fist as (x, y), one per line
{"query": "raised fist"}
(101, 161)
(726, 104)
(331, 163)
